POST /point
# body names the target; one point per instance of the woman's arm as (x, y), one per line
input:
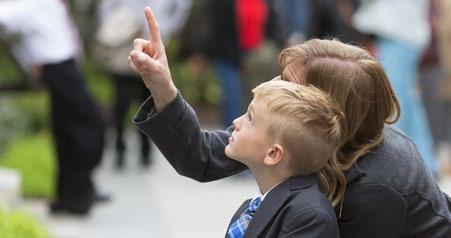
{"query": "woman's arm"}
(170, 122)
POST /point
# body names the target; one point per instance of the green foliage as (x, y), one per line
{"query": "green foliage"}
(12, 122)
(34, 105)
(22, 114)
(260, 66)
(203, 88)
(32, 157)
(18, 224)
(200, 88)
(8, 69)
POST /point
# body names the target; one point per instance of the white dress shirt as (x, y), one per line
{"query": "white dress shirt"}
(46, 32)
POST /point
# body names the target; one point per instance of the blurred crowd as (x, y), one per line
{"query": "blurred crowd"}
(238, 39)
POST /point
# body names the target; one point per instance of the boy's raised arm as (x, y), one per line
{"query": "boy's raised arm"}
(170, 121)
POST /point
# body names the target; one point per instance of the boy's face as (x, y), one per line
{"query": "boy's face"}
(249, 141)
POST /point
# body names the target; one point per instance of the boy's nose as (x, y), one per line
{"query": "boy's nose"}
(236, 123)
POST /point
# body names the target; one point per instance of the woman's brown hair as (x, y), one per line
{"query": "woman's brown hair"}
(359, 84)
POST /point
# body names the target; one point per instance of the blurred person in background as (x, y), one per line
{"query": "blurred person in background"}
(433, 71)
(390, 191)
(238, 27)
(443, 8)
(47, 47)
(307, 19)
(224, 33)
(119, 25)
(296, 18)
(444, 45)
(402, 33)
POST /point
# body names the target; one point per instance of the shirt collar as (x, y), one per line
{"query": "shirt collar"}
(262, 196)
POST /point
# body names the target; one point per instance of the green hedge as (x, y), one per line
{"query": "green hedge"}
(9, 72)
(32, 156)
(18, 224)
(35, 107)
(199, 89)
(22, 114)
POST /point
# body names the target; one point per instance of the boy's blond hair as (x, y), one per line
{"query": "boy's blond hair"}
(306, 121)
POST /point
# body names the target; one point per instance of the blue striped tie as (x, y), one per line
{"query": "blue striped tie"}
(239, 226)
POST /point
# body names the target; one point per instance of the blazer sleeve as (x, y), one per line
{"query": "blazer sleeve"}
(372, 210)
(193, 152)
(311, 223)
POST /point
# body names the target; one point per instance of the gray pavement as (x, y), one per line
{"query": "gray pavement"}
(154, 202)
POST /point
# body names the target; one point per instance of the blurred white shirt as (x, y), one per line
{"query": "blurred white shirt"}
(46, 32)
(403, 20)
(171, 14)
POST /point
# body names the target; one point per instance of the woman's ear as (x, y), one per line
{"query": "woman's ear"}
(274, 155)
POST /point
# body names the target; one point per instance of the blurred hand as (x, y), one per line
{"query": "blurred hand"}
(148, 58)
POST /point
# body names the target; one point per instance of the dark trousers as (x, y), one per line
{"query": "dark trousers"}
(128, 89)
(78, 129)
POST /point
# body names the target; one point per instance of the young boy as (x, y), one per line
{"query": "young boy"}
(286, 137)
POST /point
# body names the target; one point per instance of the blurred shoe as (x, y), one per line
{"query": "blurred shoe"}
(79, 207)
(120, 161)
(98, 197)
(120, 153)
(146, 161)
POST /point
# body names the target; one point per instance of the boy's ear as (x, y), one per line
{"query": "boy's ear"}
(274, 155)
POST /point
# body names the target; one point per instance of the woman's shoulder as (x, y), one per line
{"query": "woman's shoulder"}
(395, 163)
(396, 151)
(390, 182)
(395, 142)
(395, 137)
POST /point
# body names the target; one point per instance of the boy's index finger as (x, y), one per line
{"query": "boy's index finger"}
(154, 29)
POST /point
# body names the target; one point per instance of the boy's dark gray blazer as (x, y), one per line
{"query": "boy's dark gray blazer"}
(294, 208)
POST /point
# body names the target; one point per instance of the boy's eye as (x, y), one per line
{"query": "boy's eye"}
(249, 117)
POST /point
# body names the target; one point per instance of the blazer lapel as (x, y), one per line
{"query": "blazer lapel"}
(275, 200)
